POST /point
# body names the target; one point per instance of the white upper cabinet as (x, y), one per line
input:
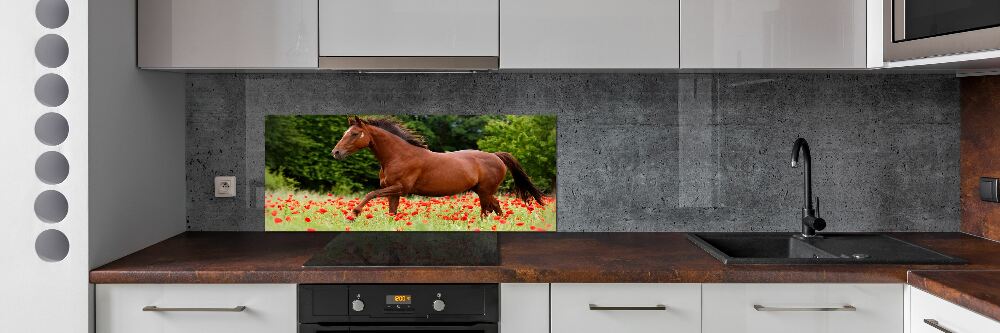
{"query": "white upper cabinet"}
(589, 34)
(409, 28)
(227, 34)
(779, 34)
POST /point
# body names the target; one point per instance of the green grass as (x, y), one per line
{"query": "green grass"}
(308, 211)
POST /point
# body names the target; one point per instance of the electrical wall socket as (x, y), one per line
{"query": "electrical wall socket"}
(225, 186)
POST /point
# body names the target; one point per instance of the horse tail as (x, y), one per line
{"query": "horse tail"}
(523, 187)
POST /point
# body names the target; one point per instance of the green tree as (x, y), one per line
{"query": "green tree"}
(531, 139)
(299, 146)
(449, 132)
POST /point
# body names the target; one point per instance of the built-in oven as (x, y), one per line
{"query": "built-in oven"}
(377, 308)
(916, 29)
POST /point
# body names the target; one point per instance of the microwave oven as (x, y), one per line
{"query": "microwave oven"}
(915, 29)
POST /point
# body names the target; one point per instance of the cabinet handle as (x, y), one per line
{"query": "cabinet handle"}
(934, 323)
(769, 308)
(595, 307)
(159, 309)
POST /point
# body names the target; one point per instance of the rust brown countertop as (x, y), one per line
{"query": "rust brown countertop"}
(258, 257)
(978, 291)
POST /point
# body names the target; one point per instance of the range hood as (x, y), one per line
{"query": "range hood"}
(410, 64)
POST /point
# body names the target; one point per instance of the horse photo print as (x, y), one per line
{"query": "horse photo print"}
(410, 173)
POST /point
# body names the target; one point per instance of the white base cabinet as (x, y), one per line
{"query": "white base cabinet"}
(627, 307)
(802, 308)
(524, 307)
(570, 307)
(930, 314)
(270, 308)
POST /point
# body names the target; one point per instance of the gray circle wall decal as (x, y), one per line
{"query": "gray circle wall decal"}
(51, 129)
(52, 167)
(52, 245)
(51, 90)
(51, 206)
(51, 51)
(52, 13)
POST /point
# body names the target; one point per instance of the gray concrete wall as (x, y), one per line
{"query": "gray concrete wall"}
(637, 152)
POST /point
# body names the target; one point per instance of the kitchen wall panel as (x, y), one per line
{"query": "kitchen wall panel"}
(637, 151)
(980, 150)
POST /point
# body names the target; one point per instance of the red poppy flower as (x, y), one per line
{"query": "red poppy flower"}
(310, 230)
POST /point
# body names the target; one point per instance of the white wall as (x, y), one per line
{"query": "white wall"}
(35, 292)
(138, 131)
(137, 185)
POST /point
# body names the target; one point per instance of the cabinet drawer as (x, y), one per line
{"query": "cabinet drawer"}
(803, 308)
(946, 315)
(269, 308)
(634, 308)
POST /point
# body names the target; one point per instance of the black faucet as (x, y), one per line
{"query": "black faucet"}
(810, 221)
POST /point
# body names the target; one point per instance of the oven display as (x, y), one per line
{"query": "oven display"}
(398, 299)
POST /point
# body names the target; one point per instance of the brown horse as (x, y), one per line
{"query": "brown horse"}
(408, 167)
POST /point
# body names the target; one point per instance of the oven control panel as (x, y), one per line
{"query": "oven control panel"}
(420, 300)
(387, 303)
(399, 303)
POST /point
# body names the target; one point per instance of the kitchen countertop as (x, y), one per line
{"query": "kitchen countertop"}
(277, 257)
(258, 257)
(978, 291)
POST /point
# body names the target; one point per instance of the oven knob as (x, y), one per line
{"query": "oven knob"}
(438, 305)
(358, 305)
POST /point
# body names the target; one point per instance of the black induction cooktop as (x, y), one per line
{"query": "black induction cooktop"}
(409, 249)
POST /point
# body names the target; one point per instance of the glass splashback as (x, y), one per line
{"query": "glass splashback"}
(410, 173)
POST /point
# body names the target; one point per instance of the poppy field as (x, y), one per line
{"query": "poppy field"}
(311, 211)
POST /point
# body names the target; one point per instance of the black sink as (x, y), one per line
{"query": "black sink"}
(831, 248)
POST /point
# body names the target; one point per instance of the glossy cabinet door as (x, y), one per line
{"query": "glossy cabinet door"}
(626, 307)
(802, 308)
(594, 34)
(190, 308)
(426, 28)
(930, 314)
(774, 34)
(227, 34)
(524, 307)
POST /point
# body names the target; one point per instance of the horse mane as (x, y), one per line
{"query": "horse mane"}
(397, 128)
